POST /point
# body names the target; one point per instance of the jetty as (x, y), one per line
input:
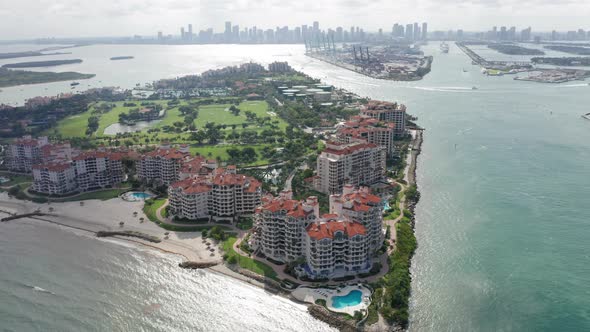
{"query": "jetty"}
(138, 235)
(24, 215)
(503, 65)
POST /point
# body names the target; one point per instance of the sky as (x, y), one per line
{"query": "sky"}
(24, 19)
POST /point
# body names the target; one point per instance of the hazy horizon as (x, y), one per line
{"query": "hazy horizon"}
(72, 18)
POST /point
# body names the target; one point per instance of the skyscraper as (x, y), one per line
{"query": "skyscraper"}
(409, 32)
(424, 31)
(227, 32)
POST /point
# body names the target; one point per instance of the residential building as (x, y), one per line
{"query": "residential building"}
(55, 178)
(98, 169)
(280, 223)
(279, 67)
(162, 165)
(221, 194)
(332, 245)
(25, 152)
(362, 207)
(368, 129)
(358, 163)
(335, 248)
(387, 112)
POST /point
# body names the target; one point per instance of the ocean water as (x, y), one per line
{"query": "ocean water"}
(503, 223)
(55, 280)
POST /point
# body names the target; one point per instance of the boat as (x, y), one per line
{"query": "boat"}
(444, 47)
(464, 70)
(473, 88)
(75, 83)
(586, 116)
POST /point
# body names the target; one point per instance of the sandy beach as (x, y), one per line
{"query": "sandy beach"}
(96, 215)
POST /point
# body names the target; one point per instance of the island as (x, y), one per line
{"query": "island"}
(512, 49)
(10, 77)
(396, 62)
(233, 177)
(566, 61)
(569, 49)
(48, 63)
(26, 54)
(121, 58)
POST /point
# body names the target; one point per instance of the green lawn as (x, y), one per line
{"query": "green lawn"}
(74, 126)
(214, 151)
(103, 195)
(248, 263)
(151, 206)
(15, 179)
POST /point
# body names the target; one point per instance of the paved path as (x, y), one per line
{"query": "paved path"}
(169, 221)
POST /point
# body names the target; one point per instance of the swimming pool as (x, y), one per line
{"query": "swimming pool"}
(386, 206)
(140, 195)
(136, 196)
(351, 299)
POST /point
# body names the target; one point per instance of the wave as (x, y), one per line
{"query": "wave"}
(443, 89)
(572, 85)
(39, 289)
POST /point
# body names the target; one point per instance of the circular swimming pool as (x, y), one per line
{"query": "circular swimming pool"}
(353, 298)
(134, 196)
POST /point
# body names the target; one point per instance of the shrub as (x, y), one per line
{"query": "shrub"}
(232, 259)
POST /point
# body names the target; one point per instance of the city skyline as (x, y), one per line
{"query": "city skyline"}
(67, 18)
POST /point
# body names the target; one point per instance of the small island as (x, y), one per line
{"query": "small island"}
(566, 61)
(13, 55)
(122, 58)
(19, 77)
(49, 63)
(515, 49)
(570, 49)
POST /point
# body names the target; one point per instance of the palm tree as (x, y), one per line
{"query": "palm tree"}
(121, 224)
(141, 219)
(51, 209)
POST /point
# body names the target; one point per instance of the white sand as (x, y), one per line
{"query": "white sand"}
(96, 215)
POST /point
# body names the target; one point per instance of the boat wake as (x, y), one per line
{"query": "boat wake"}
(444, 89)
(573, 85)
(41, 290)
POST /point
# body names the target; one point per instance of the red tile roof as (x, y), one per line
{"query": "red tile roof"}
(54, 166)
(349, 149)
(165, 153)
(192, 185)
(329, 228)
(292, 207)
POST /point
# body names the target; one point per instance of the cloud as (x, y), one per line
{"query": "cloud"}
(37, 18)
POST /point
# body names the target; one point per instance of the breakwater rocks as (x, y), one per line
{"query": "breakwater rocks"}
(323, 314)
(196, 265)
(18, 216)
(139, 235)
(269, 284)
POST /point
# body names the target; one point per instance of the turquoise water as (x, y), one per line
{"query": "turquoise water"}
(141, 195)
(349, 300)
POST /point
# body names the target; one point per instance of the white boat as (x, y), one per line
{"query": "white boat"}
(586, 116)
(444, 47)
